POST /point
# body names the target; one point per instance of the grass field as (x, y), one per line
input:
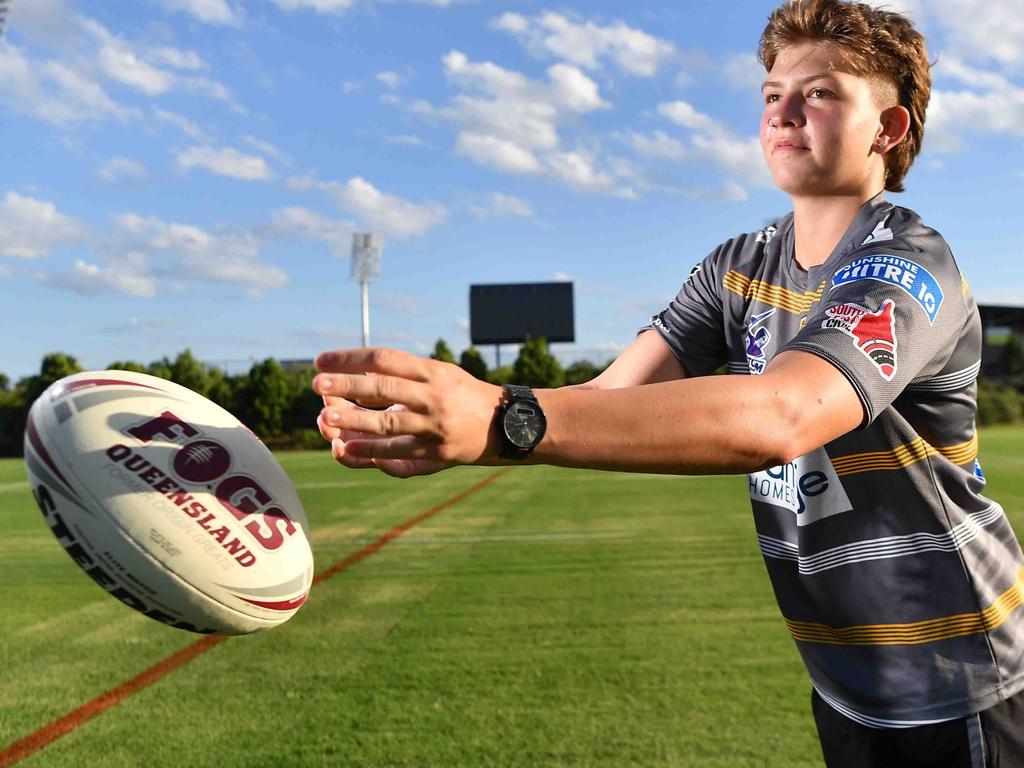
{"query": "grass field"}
(554, 618)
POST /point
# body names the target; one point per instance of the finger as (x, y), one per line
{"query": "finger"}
(377, 423)
(374, 389)
(393, 362)
(400, 447)
(342, 456)
(403, 468)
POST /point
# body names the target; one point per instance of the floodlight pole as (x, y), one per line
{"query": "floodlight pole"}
(366, 313)
(366, 253)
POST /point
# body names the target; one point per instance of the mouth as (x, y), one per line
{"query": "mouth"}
(788, 146)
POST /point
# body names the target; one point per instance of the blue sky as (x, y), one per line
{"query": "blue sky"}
(188, 173)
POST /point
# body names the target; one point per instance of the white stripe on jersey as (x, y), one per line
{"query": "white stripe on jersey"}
(883, 548)
(948, 381)
(876, 722)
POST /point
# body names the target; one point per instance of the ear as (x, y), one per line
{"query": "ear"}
(894, 123)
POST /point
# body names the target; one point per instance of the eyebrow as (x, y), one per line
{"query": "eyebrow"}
(819, 76)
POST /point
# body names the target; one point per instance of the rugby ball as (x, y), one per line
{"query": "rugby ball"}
(168, 502)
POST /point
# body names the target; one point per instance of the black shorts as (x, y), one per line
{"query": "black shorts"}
(990, 739)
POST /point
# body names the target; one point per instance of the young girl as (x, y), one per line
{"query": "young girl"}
(855, 345)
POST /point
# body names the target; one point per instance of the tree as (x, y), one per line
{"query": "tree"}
(472, 362)
(190, 373)
(1012, 358)
(581, 372)
(536, 366)
(266, 398)
(127, 365)
(55, 366)
(501, 375)
(5, 383)
(161, 368)
(442, 352)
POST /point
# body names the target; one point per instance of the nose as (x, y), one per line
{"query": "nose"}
(787, 112)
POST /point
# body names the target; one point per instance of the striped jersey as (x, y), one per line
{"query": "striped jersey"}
(900, 582)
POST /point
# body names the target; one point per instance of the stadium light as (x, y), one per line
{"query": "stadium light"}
(366, 253)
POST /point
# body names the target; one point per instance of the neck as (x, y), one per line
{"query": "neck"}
(819, 223)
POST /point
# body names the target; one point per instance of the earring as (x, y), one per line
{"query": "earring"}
(879, 147)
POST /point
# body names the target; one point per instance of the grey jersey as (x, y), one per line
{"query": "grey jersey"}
(900, 582)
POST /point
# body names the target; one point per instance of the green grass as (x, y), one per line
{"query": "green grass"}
(556, 618)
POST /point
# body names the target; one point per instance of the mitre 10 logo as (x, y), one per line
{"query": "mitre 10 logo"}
(199, 460)
(873, 333)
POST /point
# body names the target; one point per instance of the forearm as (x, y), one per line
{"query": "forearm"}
(707, 425)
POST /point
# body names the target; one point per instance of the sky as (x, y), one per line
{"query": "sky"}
(188, 173)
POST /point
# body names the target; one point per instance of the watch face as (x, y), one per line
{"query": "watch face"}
(524, 424)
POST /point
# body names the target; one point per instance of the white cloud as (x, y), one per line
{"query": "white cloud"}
(389, 79)
(985, 30)
(320, 6)
(496, 152)
(31, 228)
(182, 123)
(586, 43)
(121, 170)
(153, 247)
(658, 146)
(209, 11)
(574, 89)
(302, 222)
(385, 213)
(742, 158)
(264, 146)
(715, 144)
(500, 205)
(580, 170)
(952, 114)
(226, 161)
(511, 122)
(52, 91)
(684, 114)
(89, 279)
(146, 325)
(50, 23)
(744, 72)
(406, 138)
(121, 64)
(177, 58)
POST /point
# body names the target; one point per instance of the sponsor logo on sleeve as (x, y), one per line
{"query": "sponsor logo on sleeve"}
(756, 339)
(873, 333)
(808, 487)
(906, 275)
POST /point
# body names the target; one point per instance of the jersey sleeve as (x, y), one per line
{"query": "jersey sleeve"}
(886, 317)
(693, 324)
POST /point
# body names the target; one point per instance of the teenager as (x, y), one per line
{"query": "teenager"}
(855, 345)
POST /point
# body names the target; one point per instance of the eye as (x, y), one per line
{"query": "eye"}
(820, 93)
(771, 98)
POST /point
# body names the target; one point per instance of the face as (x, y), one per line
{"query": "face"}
(820, 124)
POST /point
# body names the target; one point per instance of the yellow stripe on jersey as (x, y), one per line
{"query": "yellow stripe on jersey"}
(902, 456)
(963, 285)
(772, 295)
(915, 632)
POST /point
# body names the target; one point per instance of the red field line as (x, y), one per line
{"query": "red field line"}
(28, 746)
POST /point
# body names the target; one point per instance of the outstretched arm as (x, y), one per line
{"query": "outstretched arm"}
(714, 424)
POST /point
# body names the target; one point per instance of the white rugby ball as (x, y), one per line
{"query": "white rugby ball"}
(168, 502)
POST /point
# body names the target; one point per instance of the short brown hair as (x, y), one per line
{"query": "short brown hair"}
(874, 43)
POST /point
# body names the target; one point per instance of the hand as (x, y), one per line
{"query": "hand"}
(439, 417)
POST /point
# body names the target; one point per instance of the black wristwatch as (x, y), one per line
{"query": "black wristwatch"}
(521, 422)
